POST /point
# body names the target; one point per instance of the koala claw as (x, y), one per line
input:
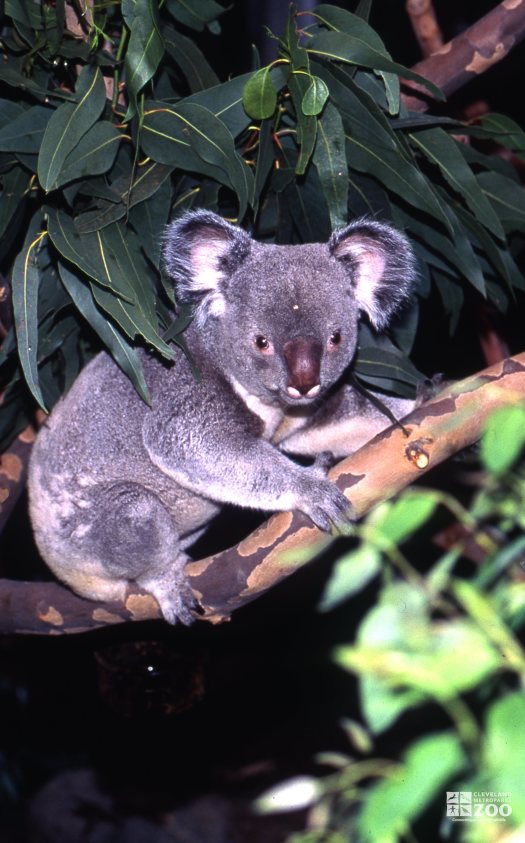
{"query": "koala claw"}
(173, 593)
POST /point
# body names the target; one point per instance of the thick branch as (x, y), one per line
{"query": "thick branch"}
(471, 53)
(452, 420)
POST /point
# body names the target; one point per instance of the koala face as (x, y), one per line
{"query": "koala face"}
(281, 321)
(289, 322)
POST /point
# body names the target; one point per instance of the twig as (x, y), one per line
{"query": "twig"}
(425, 25)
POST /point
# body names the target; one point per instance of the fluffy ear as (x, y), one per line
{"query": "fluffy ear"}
(200, 251)
(381, 264)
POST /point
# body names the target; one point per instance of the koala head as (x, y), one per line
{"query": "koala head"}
(281, 321)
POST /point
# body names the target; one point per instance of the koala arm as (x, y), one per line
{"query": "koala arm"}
(219, 456)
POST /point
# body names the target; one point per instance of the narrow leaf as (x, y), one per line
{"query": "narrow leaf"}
(197, 14)
(189, 58)
(340, 46)
(69, 124)
(145, 49)
(122, 352)
(330, 161)
(25, 284)
(193, 138)
(439, 148)
(94, 154)
(25, 132)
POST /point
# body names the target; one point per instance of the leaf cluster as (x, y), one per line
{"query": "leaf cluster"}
(449, 640)
(113, 120)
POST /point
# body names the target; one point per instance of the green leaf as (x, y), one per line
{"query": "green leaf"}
(189, 58)
(350, 574)
(225, 101)
(401, 649)
(83, 250)
(378, 365)
(502, 758)
(507, 199)
(330, 161)
(145, 49)
(393, 523)
(122, 352)
(15, 187)
(260, 95)
(340, 46)
(315, 97)
(372, 148)
(149, 218)
(197, 14)
(265, 158)
(395, 802)
(482, 238)
(306, 131)
(148, 180)
(69, 124)
(25, 132)
(15, 79)
(25, 285)
(353, 24)
(113, 259)
(506, 131)
(94, 154)
(441, 150)
(503, 439)
(190, 137)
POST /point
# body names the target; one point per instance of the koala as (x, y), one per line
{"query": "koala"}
(119, 490)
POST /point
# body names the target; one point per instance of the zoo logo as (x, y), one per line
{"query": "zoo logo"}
(465, 805)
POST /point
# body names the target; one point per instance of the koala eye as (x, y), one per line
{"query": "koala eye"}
(263, 344)
(334, 339)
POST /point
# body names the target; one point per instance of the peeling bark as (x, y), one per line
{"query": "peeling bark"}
(451, 421)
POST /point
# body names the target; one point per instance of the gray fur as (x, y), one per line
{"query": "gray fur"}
(119, 490)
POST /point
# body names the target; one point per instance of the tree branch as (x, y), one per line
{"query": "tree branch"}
(425, 25)
(470, 54)
(451, 421)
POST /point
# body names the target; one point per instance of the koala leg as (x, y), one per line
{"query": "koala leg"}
(133, 536)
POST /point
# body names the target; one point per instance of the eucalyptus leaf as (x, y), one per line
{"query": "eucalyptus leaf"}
(69, 124)
(124, 196)
(25, 132)
(393, 803)
(189, 58)
(260, 95)
(341, 46)
(330, 161)
(15, 187)
(25, 285)
(121, 350)
(94, 154)
(191, 137)
(196, 14)
(507, 199)
(315, 97)
(145, 49)
(439, 148)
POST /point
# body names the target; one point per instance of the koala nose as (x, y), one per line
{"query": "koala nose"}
(303, 360)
